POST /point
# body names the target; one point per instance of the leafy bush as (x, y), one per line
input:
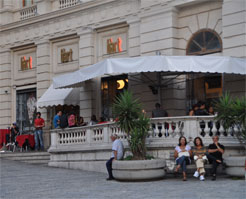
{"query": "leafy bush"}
(232, 112)
(133, 122)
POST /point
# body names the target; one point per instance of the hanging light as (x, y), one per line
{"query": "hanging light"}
(120, 84)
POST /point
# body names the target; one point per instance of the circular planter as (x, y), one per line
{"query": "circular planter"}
(235, 166)
(137, 170)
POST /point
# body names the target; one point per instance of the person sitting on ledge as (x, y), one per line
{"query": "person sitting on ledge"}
(199, 154)
(215, 152)
(117, 154)
(182, 154)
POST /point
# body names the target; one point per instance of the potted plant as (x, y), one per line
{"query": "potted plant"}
(232, 114)
(135, 124)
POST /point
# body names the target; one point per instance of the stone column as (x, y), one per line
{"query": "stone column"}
(43, 81)
(234, 42)
(86, 58)
(6, 104)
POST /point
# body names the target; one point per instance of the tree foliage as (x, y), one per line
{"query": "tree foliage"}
(131, 119)
(232, 112)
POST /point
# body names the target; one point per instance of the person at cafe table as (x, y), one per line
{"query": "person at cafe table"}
(39, 124)
(14, 131)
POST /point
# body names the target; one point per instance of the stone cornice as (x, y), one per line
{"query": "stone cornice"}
(56, 14)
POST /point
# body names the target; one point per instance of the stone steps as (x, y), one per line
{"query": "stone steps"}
(29, 157)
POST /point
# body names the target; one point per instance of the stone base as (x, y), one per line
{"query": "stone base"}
(136, 170)
(97, 166)
(235, 166)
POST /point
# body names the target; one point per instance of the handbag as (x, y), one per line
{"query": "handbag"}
(184, 153)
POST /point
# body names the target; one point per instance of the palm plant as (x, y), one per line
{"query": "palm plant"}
(232, 112)
(133, 122)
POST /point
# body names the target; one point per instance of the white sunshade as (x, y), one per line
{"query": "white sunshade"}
(54, 97)
(182, 64)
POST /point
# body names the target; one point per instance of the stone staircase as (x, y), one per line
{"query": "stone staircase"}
(41, 158)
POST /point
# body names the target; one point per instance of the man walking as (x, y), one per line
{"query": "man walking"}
(39, 124)
(117, 154)
(215, 152)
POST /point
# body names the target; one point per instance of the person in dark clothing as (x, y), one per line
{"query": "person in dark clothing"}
(63, 121)
(202, 109)
(214, 155)
(159, 112)
(10, 138)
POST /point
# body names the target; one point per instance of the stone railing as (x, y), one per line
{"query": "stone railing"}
(68, 3)
(28, 12)
(163, 132)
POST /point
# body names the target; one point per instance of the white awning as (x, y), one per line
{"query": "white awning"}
(54, 97)
(181, 64)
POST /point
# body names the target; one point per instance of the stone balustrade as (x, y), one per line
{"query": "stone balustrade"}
(163, 131)
(28, 12)
(68, 3)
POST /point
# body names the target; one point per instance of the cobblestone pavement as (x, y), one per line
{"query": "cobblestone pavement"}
(20, 180)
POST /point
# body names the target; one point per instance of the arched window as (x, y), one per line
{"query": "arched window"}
(203, 42)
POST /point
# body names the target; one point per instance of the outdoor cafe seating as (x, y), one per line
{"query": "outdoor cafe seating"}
(22, 141)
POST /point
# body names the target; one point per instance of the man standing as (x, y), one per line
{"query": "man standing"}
(39, 124)
(57, 119)
(158, 111)
(117, 154)
(214, 155)
(63, 121)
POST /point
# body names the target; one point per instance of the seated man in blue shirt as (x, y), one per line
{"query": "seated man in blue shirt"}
(56, 120)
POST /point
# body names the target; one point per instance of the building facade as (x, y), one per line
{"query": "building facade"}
(41, 39)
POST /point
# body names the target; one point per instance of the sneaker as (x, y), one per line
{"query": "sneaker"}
(202, 178)
(196, 174)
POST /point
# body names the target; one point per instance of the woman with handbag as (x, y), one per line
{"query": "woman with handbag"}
(182, 154)
(200, 158)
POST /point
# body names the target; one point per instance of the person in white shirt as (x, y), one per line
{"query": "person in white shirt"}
(117, 154)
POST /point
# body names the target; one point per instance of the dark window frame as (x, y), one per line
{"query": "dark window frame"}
(204, 51)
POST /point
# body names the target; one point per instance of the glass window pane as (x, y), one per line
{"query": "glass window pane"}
(194, 48)
(214, 44)
(26, 110)
(199, 39)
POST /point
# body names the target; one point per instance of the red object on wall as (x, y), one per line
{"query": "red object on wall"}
(3, 133)
(21, 139)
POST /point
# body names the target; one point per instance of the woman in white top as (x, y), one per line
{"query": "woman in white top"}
(182, 154)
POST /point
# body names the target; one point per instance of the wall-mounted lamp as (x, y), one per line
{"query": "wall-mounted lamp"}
(6, 92)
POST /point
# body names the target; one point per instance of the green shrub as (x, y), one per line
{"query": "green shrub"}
(133, 122)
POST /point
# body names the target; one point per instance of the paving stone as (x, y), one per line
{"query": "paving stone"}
(22, 180)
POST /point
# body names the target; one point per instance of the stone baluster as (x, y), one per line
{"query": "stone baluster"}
(230, 132)
(156, 130)
(161, 133)
(221, 129)
(214, 129)
(167, 128)
(178, 128)
(236, 129)
(206, 129)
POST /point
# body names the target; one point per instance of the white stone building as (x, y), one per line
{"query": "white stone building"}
(34, 33)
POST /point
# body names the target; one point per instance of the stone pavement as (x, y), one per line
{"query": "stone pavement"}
(21, 180)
